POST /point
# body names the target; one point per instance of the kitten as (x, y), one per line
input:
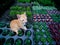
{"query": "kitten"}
(16, 24)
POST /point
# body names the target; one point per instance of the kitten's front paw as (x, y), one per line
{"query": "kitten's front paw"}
(25, 28)
(16, 32)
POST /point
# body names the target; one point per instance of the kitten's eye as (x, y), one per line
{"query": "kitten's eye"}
(22, 20)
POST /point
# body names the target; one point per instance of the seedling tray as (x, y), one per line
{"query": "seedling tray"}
(32, 36)
(10, 36)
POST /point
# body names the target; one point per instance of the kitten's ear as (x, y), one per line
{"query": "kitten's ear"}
(18, 16)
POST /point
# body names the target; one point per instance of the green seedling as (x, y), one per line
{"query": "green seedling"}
(11, 33)
(18, 42)
(36, 38)
(28, 33)
(35, 27)
(28, 42)
(5, 32)
(20, 32)
(9, 41)
(43, 39)
(29, 14)
(28, 9)
(28, 25)
(2, 24)
(49, 39)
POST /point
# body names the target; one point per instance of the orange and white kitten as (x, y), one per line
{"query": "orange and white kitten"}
(16, 24)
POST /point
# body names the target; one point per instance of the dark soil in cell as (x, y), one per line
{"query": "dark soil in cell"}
(1, 31)
(2, 41)
(57, 43)
(36, 44)
(8, 26)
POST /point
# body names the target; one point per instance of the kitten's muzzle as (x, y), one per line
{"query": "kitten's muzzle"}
(25, 24)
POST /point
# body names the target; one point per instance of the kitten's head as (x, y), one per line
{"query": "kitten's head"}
(22, 17)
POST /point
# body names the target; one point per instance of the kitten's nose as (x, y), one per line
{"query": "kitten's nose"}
(26, 23)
